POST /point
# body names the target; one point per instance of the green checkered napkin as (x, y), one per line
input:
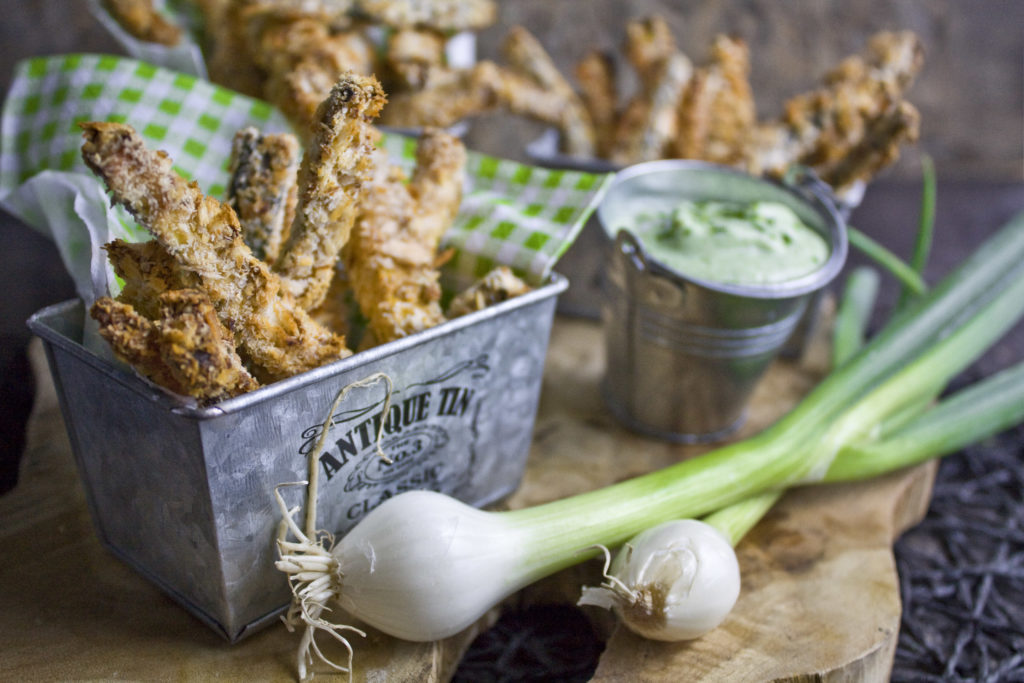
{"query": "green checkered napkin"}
(186, 56)
(511, 214)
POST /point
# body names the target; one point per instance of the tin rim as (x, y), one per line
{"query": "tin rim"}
(809, 191)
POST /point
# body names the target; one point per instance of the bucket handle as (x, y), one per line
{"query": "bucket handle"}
(627, 244)
(805, 181)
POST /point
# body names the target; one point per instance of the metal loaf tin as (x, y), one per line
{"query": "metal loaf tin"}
(185, 495)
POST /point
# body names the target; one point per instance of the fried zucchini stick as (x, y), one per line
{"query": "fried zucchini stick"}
(334, 166)
(694, 115)
(303, 58)
(879, 147)
(204, 236)
(659, 126)
(147, 271)
(526, 55)
(820, 127)
(501, 284)
(649, 42)
(143, 21)
(595, 74)
(440, 15)
(390, 259)
(263, 189)
(186, 350)
(450, 96)
(229, 60)
(648, 46)
(732, 110)
(414, 56)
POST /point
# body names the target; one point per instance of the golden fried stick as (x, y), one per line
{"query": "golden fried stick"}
(303, 57)
(199, 350)
(649, 47)
(336, 162)
(820, 127)
(879, 147)
(436, 186)
(595, 74)
(186, 350)
(228, 59)
(649, 42)
(440, 15)
(263, 189)
(133, 338)
(695, 113)
(204, 237)
(413, 55)
(501, 284)
(523, 96)
(143, 21)
(526, 55)
(732, 110)
(450, 96)
(390, 260)
(147, 271)
(660, 124)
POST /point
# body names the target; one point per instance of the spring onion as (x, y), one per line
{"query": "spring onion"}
(854, 313)
(926, 224)
(423, 566)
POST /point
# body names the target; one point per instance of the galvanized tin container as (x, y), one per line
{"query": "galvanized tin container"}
(185, 495)
(684, 354)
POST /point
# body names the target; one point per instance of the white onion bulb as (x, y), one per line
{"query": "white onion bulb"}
(675, 581)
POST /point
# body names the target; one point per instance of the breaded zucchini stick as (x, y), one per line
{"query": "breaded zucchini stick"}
(390, 260)
(501, 284)
(229, 60)
(414, 56)
(733, 111)
(660, 125)
(334, 166)
(450, 96)
(440, 15)
(263, 188)
(648, 46)
(141, 19)
(186, 349)
(204, 236)
(526, 55)
(649, 42)
(303, 57)
(695, 114)
(595, 74)
(879, 147)
(820, 127)
(147, 271)
(523, 96)
(436, 186)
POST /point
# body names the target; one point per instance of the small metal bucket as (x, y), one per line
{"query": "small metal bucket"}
(185, 495)
(684, 354)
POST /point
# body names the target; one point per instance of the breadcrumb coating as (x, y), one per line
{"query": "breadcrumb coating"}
(203, 235)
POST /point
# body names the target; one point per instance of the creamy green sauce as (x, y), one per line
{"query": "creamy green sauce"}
(748, 244)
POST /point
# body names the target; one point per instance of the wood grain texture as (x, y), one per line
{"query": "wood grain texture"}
(820, 598)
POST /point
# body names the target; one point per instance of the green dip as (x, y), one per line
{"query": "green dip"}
(748, 244)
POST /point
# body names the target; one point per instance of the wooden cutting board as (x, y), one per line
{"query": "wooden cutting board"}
(820, 596)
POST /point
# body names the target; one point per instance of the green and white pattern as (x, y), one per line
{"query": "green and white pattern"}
(512, 214)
